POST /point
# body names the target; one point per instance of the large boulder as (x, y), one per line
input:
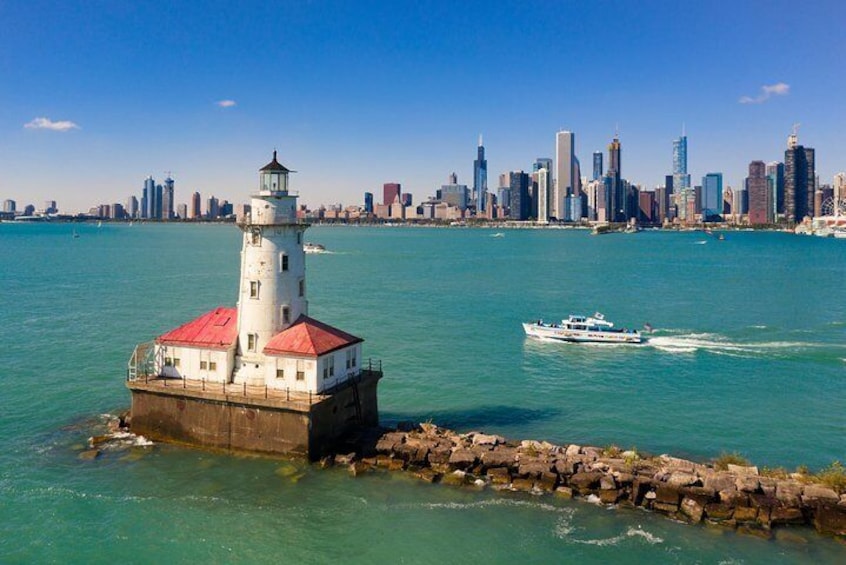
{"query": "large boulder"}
(585, 482)
(683, 479)
(533, 467)
(501, 456)
(719, 481)
(814, 493)
(692, 509)
(830, 519)
(742, 470)
(789, 493)
(462, 458)
(485, 439)
(499, 475)
(783, 515)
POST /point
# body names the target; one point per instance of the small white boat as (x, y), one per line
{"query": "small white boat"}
(839, 233)
(313, 248)
(582, 329)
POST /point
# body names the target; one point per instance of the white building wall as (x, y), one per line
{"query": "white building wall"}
(212, 365)
(543, 195)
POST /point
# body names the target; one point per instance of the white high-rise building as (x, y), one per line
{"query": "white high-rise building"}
(840, 187)
(565, 142)
(543, 196)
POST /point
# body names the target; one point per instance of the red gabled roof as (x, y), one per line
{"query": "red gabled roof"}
(217, 329)
(310, 338)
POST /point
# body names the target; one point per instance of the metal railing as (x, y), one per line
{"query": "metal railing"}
(245, 390)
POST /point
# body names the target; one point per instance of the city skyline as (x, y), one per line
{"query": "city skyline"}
(122, 92)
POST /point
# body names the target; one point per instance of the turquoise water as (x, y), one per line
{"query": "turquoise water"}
(749, 355)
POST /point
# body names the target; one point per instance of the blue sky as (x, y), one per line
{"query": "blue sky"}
(355, 94)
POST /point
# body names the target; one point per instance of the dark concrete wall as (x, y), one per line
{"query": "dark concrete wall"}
(257, 425)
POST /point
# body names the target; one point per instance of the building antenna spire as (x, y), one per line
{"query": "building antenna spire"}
(616, 130)
(480, 140)
(683, 130)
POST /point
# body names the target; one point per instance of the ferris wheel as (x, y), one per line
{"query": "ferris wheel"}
(832, 207)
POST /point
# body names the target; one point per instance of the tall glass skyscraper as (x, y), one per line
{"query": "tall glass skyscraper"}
(712, 195)
(681, 180)
(775, 176)
(597, 165)
(480, 177)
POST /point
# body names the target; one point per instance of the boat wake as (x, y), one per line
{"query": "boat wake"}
(721, 345)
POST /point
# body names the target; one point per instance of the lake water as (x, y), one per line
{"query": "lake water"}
(749, 355)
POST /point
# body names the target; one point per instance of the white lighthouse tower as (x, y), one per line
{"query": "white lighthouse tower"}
(262, 376)
(272, 291)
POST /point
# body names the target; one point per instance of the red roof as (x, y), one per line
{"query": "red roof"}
(310, 338)
(217, 329)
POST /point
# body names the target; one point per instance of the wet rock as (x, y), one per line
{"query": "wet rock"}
(326, 462)
(585, 482)
(427, 474)
(607, 482)
(733, 498)
(718, 512)
(89, 454)
(830, 519)
(358, 468)
(345, 459)
(640, 488)
(546, 482)
(564, 492)
(462, 458)
(664, 508)
(439, 455)
(565, 466)
(396, 464)
(609, 496)
(499, 475)
(389, 442)
(677, 465)
(456, 478)
(573, 450)
(522, 485)
(692, 509)
(755, 531)
(745, 514)
(667, 494)
(383, 461)
(782, 515)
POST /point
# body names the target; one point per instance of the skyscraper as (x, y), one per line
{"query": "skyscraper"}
(548, 196)
(391, 192)
(758, 194)
(167, 199)
(195, 212)
(480, 176)
(132, 207)
(368, 202)
(614, 190)
(542, 195)
(147, 197)
(712, 195)
(565, 142)
(597, 165)
(775, 176)
(799, 180)
(519, 190)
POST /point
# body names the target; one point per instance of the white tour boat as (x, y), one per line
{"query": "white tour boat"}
(583, 329)
(310, 248)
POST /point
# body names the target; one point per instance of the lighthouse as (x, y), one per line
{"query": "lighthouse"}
(262, 376)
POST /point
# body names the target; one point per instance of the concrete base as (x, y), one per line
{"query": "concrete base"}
(305, 426)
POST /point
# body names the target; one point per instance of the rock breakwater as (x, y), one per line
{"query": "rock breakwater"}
(737, 497)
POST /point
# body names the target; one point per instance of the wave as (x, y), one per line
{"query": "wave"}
(563, 531)
(546, 507)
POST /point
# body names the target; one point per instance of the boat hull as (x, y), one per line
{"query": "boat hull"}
(581, 336)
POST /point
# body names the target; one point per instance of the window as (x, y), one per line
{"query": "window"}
(204, 365)
(329, 367)
(354, 360)
(348, 359)
(176, 361)
(300, 370)
(212, 366)
(351, 358)
(302, 287)
(255, 236)
(299, 238)
(254, 289)
(168, 362)
(251, 342)
(283, 262)
(286, 315)
(280, 373)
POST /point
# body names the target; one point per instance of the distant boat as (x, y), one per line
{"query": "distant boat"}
(313, 248)
(99, 223)
(75, 235)
(583, 329)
